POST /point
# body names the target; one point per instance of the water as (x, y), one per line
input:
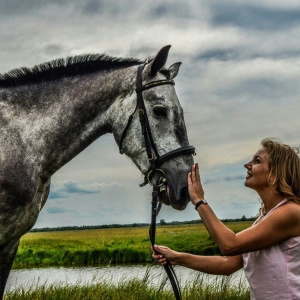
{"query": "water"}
(27, 278)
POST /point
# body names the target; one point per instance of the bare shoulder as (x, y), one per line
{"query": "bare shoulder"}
(292, 210)
(286, 217)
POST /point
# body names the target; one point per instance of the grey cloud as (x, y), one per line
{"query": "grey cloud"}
(155, 10)
(56, 210)
(178, 9)
(56, 195)
(93, 7)
(250, 16)
(54, 49)
(61, 190)
(244, 91)
(224, 179)
(264, 88)
(126, 9)
(219, 54)
(76, 187)
(268, 89)
(16, 7)
(106, 8)
(234, 178)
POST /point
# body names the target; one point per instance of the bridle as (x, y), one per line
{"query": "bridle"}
(155, 161)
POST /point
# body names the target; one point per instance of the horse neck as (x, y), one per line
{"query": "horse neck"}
(57, 120)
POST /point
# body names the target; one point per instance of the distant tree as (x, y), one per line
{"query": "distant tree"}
(244, 218)
(163, 222)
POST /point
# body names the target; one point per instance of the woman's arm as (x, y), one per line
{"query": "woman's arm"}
(281, 224)
(217, 265)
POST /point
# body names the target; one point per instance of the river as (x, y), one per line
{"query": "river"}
(28, 278)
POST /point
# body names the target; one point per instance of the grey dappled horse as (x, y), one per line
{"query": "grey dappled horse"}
(51, 112)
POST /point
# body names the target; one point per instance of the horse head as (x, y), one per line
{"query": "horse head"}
(156, 140)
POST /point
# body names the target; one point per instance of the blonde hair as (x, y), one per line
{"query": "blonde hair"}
(284, 166)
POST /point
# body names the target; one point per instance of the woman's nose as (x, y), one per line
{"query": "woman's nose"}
(247, 165)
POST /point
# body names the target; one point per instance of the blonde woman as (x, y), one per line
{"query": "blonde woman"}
(269, 251)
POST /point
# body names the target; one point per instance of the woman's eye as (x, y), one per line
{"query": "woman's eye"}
(160, 110)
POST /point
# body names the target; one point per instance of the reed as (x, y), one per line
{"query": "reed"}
(111, 246)
(135, 289)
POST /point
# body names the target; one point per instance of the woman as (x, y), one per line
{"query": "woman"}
(269, 251)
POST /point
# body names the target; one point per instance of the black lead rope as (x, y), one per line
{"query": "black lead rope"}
(156, 206)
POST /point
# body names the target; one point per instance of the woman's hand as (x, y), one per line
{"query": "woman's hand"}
(194, 185)
(161, 254)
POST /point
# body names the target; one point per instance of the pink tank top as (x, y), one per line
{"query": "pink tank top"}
(274, 273)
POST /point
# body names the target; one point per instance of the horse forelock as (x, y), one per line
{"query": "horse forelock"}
(65, 67)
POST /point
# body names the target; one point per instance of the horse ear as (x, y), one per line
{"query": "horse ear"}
(174, 70)
(159, 60)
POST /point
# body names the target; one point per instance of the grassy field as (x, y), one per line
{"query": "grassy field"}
(112, 245)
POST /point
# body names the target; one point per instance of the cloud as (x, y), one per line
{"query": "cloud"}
(219, 54)
(254, 17)
(93, 7)
(182, 10)
(56, 195)
(57, 210)
(62, 189)
(53, 49)
(15, 7)
(76, 187)
(224, 179)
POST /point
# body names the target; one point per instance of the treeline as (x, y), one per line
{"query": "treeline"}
(85, 227)
(106, 226)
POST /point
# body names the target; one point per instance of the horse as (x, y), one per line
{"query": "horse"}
(51, 112)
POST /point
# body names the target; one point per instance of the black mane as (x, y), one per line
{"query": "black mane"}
(64, 67)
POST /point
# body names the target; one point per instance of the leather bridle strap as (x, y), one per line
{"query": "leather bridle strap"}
(155, 159)
(156, 206)
(180, 151)
(146, 130)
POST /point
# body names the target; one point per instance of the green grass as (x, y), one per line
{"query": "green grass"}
(135, 289)
(112, 246)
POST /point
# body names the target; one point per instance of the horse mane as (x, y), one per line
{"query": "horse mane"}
(64, 67)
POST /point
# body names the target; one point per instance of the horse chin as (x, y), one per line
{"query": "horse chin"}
(167, 198)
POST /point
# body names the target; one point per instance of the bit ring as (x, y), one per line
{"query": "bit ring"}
(161, 179)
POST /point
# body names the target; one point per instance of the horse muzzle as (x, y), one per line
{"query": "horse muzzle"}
(170, 192)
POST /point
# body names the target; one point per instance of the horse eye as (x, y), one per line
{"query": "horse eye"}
(160, 110)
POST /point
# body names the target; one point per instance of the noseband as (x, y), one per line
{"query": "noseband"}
(155, 161)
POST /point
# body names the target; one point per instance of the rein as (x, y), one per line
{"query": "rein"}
(156, 206)
(155, 161)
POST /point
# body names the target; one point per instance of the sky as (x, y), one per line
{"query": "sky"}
(238, 84)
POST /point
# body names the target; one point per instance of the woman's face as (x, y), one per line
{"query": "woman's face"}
(258, 171)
